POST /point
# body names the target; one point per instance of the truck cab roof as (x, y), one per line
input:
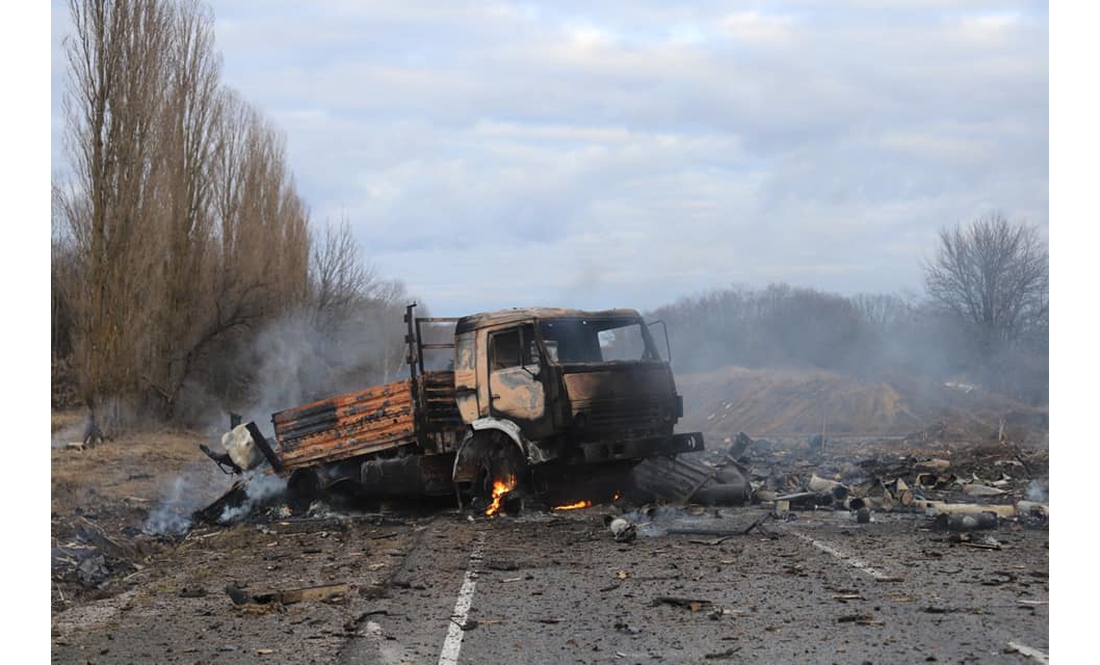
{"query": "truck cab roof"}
(518, 314)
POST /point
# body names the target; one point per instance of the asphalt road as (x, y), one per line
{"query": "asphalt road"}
(558, 589)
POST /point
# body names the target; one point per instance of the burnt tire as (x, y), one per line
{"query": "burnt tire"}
(302, 489)
(497, 458)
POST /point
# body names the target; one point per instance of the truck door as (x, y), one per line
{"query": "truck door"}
(466, 376)
(516, 375)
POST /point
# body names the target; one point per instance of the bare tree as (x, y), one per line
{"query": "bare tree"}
(993, 274)
(111, 105)
(186, 127)
(881, 310)
(340, 278)
(181, 222)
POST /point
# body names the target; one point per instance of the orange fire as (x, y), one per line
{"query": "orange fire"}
(573, 506)
(500, 488)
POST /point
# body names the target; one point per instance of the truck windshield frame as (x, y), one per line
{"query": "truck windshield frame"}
(577, 340)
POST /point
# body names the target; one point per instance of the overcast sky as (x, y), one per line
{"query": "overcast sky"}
(494, 154)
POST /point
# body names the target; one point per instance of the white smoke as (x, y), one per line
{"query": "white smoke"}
(1037, 491)
(260, 489)
(173, 516)
(195, 487)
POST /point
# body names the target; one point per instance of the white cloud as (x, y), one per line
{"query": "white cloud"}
(989, 27)
(545, 132)
(937, 146)
(758, 28)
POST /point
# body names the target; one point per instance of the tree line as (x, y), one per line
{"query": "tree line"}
(179, 235)
(983, 319)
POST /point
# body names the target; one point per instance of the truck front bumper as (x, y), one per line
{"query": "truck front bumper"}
(606, 451)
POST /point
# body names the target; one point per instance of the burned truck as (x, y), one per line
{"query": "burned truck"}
(547, 403)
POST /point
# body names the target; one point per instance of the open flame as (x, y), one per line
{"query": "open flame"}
(500, 488)
(573, 506)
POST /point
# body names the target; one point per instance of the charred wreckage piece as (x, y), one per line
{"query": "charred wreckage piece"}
(558, 404)
(728, 476)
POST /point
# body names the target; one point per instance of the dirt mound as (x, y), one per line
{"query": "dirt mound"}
(800, 402)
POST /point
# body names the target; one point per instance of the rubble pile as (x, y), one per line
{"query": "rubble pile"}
(858, 476)
(85, 556)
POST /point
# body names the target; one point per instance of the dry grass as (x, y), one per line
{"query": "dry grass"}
(63, 419)
(128, 470)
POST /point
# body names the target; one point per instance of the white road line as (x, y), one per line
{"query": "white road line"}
(1032, 652)
(846, 558)
(453, 644)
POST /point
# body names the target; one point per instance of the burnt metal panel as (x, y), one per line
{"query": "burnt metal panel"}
(485, 319)
(405, 476)
(329, 430)
(609, 414)
(597, 381)
(517, 395)
(673, 479)
(437, 401)
(621, 448)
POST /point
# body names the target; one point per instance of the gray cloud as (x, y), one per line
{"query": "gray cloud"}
(622, 154)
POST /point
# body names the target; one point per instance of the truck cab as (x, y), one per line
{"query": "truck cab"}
(572, 390)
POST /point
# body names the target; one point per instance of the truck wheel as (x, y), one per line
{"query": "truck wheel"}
(498, 465)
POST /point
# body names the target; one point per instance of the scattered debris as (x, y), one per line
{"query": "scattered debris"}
(976, 489)
(468, 624)
(885, 483)
(822, 485)
(716, 541)
(93, 572)
(987, 543)
(724, 534)
(861, 619)
(713, 478)
(933, 465)
(966, 521)
(693, 604)
(721, 654)
(782, 507)
(623, 530)
(240, 596)
(931, 609)
(192, 593)
(1032, 508)
(1030, 652)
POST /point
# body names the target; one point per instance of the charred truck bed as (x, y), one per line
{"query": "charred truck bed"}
(359, 423)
